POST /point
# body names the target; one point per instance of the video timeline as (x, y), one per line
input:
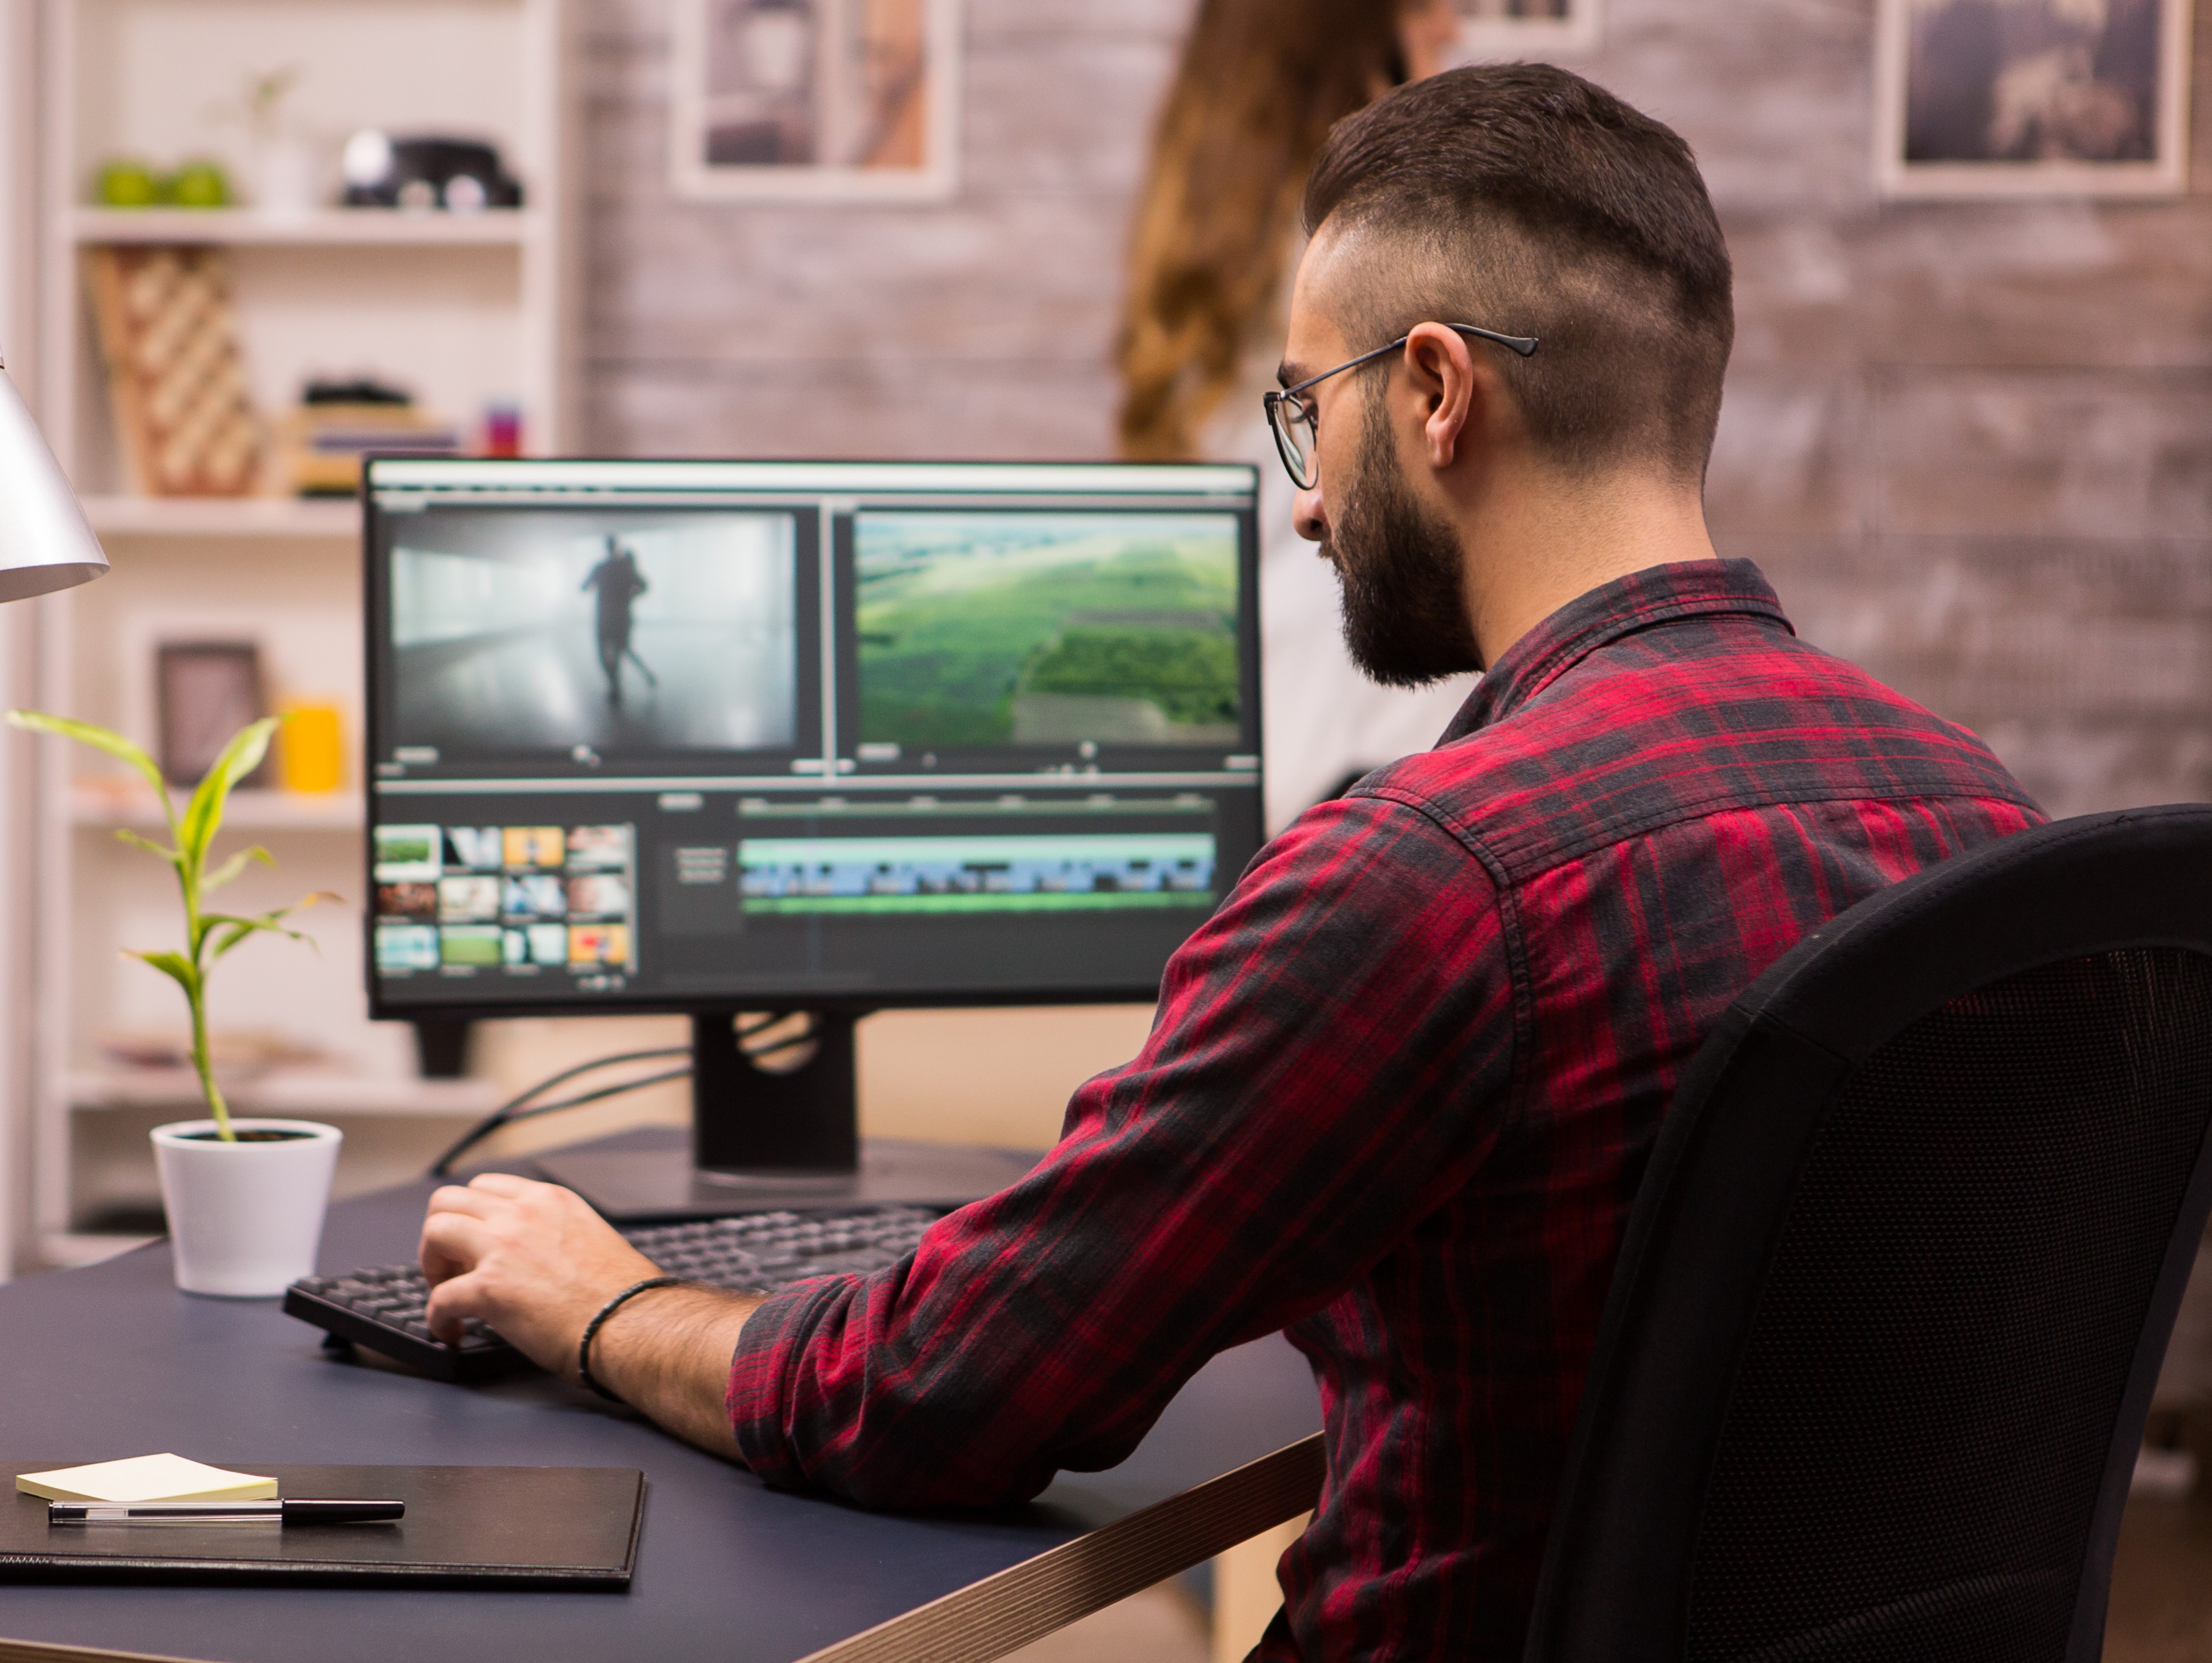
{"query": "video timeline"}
(985, 874)
(458, 900)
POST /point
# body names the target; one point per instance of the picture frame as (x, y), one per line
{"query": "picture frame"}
(1493, 29)
(816, 100)
(2031, 98)
(204, 692)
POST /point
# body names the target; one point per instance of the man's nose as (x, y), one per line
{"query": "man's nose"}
(1309, 516)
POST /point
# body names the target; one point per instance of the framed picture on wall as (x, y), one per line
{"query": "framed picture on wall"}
(1493, 29)
(2024, 98)
(204, 692)
(820, 101)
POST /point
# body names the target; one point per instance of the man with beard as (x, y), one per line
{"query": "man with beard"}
(1402, 1086)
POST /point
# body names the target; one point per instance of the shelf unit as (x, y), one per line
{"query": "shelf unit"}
(467, 310)
(147, 519)
(351, 228)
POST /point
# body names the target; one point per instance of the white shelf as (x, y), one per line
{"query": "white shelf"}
(337, 519)
(331, 227)
(283, 1093)
(131, 804)
(466, 311)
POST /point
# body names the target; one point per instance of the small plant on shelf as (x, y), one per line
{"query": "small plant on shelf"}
(208, 936)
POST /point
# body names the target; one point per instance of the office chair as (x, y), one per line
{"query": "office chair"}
(1873, 1371)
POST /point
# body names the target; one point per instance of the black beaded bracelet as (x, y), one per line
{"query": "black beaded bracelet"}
(592, 1330)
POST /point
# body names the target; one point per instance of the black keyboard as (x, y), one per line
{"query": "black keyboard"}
(758, 1253)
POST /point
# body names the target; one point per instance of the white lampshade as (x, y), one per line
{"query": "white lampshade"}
(45, 542)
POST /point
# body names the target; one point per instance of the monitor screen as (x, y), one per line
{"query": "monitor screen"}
(699, 735)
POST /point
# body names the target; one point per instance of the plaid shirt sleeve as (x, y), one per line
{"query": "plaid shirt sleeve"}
(1325, 1070)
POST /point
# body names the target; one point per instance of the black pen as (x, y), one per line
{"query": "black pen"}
(303, 1512)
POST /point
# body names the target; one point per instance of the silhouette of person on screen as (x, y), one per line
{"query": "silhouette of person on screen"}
(619, 583)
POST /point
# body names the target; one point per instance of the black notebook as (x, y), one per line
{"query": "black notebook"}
(466, 1527)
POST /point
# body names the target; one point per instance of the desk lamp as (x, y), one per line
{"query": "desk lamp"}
(46, 542)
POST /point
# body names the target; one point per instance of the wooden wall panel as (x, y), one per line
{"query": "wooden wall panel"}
(1972, 443)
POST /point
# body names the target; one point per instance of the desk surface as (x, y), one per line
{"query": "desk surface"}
(113, 1360)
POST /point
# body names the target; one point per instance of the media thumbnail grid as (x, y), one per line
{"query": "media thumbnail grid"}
(527, 898)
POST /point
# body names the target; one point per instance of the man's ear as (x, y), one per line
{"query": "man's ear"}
(1440, 371)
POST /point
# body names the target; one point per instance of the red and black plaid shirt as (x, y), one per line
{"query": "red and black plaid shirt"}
(1396, 1102)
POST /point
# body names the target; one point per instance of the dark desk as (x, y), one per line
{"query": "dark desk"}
(113, 1360)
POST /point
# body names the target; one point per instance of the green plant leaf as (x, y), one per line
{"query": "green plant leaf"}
(100, 739)
(236, 864)
(204, 813)
(230, 928)
(123, 834)
(174, 965)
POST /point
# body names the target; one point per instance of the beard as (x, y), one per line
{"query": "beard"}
(1399, 565)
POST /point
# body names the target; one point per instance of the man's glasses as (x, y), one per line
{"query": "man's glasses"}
(1297, 423)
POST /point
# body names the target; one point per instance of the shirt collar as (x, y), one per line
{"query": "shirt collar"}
(1658, 594)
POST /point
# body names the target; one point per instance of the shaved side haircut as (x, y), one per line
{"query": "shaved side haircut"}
(1523, 198)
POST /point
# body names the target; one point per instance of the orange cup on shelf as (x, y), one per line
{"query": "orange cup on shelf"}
(311, 748)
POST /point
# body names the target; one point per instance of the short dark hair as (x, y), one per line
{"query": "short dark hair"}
(1523, 198)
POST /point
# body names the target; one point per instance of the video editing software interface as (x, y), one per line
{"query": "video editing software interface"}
(683, 734)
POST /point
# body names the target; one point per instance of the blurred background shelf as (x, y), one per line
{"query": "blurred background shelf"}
(338, 518)
(127, 803)
(465, 312)
(285, 1093)
(347, 227)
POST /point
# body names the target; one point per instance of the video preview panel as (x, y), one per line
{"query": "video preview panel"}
(987, 630)
(598, 635)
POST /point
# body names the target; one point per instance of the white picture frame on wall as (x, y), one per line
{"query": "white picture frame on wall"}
(2031, 98)
(815, 100)
(1490, 30)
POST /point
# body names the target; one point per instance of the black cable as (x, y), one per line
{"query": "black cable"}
(508, 1110)
(513, 1111)
(577, 1102)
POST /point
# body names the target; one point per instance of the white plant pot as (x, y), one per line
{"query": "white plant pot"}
(245, 1218)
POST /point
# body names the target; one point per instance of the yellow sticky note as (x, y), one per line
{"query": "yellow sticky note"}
(146, 1479)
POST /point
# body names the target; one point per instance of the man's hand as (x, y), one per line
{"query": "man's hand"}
(532, 1260)
(536, 1263)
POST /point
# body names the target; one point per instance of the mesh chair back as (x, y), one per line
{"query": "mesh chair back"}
(1896, 1288)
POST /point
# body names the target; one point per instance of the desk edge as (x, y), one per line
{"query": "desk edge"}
(41, 1651)
(1025, 1602)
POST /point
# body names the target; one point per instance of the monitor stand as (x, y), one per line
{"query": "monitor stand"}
(765, 1140)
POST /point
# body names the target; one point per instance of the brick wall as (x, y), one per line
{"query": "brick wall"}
(1971, 443)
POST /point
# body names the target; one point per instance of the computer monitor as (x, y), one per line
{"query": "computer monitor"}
(823, 738)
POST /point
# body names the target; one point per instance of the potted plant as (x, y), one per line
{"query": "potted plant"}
(245, 1197)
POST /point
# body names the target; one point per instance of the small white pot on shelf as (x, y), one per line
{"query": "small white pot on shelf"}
(245, 1218)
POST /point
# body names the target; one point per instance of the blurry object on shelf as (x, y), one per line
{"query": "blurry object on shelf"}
(198, 184)
(1490, 30)
(127, 182)
(2031, 98)
(168, 334)
(284, 182)
(338, 423)
(236, 1054)
(815, 100)
(461, 175)
(502, 433)
(310, 748)
(204, 692)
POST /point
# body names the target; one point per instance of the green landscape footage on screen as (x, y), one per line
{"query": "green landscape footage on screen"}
(988, 630)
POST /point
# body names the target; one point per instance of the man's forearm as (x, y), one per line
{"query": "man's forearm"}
(666, 1353)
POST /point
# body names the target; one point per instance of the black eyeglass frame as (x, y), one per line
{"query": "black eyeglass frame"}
(1274, 403)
